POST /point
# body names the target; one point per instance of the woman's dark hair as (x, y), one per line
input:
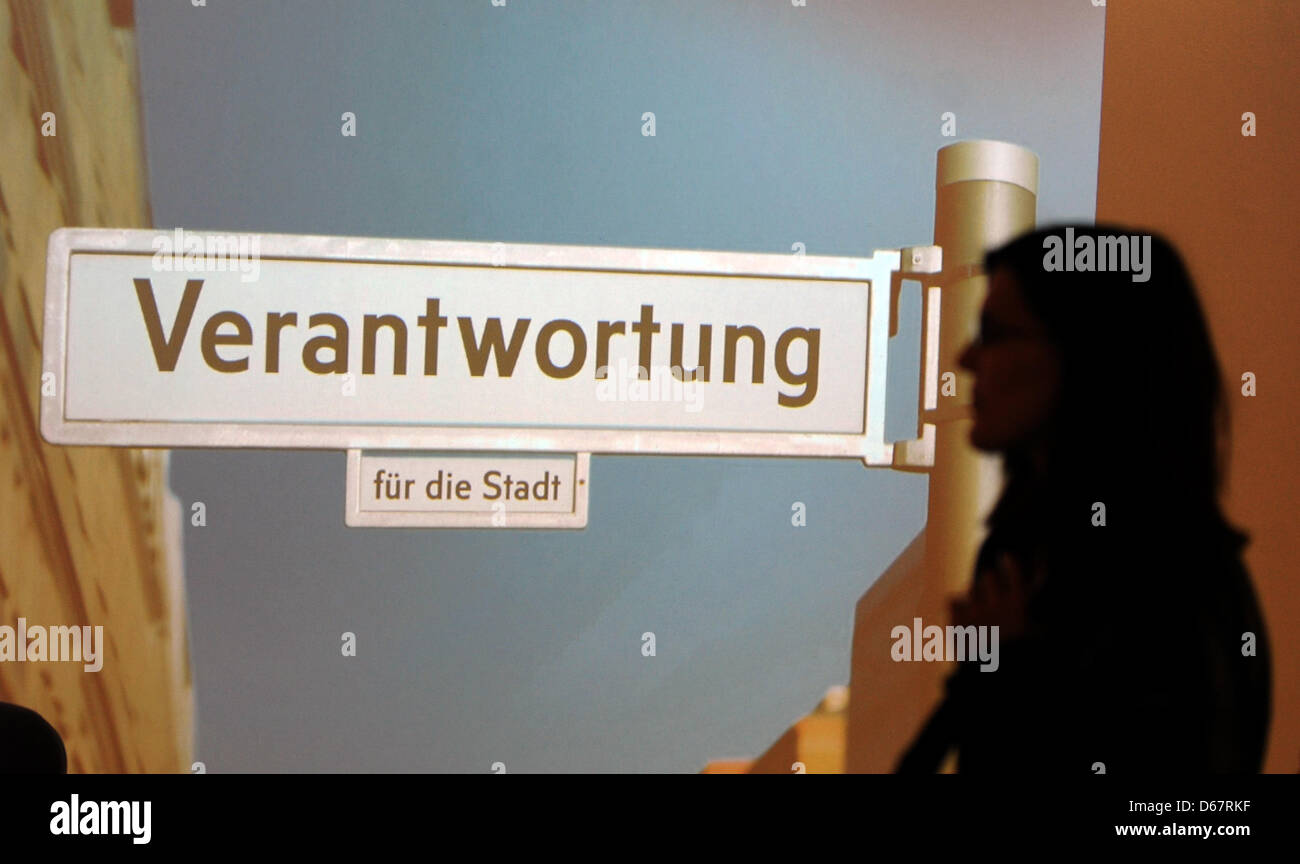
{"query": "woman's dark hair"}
(1142, 422)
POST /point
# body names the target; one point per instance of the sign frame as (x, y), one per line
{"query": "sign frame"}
(876, 273)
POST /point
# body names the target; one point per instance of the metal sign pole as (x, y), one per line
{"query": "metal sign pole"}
(986, 193)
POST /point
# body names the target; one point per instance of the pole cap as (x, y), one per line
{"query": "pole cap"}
(988, 160)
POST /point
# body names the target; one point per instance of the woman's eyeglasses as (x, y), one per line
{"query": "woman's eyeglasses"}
(993, 333)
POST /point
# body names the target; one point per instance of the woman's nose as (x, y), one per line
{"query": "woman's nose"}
(966, 359)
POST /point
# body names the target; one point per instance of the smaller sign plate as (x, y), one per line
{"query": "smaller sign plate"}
(429, 489)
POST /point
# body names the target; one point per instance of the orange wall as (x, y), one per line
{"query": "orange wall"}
(1178, 76)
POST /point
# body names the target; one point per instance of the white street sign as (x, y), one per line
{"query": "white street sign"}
(171, 339)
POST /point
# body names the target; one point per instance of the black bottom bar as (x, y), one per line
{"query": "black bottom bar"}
(337, 812)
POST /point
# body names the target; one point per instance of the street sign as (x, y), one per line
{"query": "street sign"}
(188, 339)
(456, 490)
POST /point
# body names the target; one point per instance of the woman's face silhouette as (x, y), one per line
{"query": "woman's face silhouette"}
(1016, 367)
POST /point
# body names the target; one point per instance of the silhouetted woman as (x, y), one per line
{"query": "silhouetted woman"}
(1130, 636)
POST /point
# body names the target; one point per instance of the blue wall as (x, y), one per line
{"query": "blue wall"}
(776, 124)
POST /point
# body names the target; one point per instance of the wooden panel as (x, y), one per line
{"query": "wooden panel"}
(91, 536)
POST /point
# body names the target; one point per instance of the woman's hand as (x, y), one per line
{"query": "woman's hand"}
(999, 598)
